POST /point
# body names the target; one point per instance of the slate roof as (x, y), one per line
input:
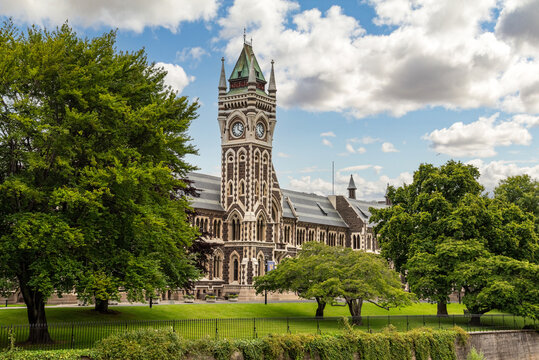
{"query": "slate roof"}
(314, 208)
(209, 188)
(362, 208)
(310, 208)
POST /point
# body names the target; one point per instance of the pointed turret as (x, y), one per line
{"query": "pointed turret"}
(351, 188)
(251, 82)
(222, 79)
(272, 89)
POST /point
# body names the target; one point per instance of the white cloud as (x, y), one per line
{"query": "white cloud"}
(311, 169)
(361, 150)
(195, 54)
(328, 134)
(350, 148)
(133, 15)
(434, 56)
(283, 155)
(480, 138)
(388, 147)
(366, 190)
(176, 76)
(327, 142)
(355, 168)
(495, 171)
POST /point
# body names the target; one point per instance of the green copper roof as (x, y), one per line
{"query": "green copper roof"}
(241, 70)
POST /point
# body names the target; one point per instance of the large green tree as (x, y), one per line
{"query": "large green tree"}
(325, 273)
(441, 230)
(92, 149)
(415, 225)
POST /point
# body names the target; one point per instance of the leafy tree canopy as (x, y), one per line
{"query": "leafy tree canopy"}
(325, 273)
(92, 150)
(441, 228)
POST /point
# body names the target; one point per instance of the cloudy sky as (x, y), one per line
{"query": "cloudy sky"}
(377, 86)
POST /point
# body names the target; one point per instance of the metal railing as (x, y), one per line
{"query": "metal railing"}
(71, 335)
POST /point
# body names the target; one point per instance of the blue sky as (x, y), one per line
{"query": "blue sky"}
(378, 87)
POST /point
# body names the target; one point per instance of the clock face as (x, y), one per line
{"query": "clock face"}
(237, 129)
(260, 130)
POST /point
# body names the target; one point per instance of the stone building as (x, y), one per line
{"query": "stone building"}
(255, 223)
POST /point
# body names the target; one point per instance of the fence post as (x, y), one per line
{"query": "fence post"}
(72, 334)
(369, 323)
(388, 321)
(174, 326)
(453, 320)
(423, 319)
(254, 328)
(439, 322)
(216, 329)
(514, 322)
(318, 326)
(288, 325)
(407, 325)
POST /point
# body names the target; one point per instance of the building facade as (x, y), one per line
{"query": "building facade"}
(253, 223)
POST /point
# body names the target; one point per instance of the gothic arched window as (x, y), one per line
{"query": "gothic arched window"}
(261, 229)
(236, 270)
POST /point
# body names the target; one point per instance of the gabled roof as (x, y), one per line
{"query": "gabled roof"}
(241, 69)
(362, 208)
(312, 208)
(209, 188)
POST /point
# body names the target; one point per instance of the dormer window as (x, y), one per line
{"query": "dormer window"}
(239, 73)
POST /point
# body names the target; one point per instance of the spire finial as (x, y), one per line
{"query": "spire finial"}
(272, 89)
(244, 35)
(222, 78)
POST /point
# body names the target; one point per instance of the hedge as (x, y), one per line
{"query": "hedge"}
(166, 345)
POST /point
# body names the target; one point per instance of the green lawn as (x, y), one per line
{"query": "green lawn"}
(81, 327)
(212, 311)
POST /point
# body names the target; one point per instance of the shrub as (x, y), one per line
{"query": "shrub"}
(45, 355)
(474, 355)
(141, 345)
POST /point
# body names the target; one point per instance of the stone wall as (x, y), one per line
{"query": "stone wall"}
(503, 345)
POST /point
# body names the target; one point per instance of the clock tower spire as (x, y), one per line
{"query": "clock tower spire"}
(250, 192)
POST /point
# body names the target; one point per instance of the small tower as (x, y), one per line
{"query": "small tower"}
(351, 188)
(388, 200)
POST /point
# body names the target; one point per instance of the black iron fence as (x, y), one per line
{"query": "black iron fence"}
(70, 335)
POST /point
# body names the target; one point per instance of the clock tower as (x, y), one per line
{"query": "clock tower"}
(250, 193)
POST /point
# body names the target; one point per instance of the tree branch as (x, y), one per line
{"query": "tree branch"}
(380, 306)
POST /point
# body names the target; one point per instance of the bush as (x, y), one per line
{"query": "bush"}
(45, 355)
(141, 345)
(425, 343)
(474, 355)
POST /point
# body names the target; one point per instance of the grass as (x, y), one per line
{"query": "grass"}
(213, 311)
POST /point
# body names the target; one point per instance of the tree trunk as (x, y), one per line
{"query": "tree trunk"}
(102, 306)
(354, 305)
(320, 308)
(442, 308)
(35, 308)
(475, 320)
